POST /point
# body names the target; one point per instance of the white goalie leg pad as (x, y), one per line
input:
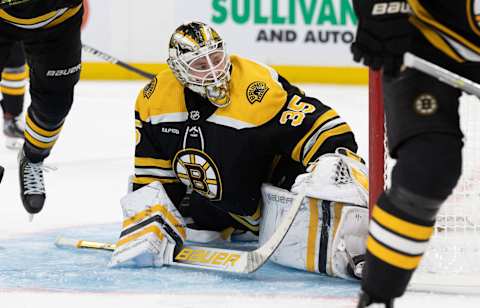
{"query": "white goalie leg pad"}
(152, 228)
(326, 237)
(299, 247)
(347, 250)
(341, 176)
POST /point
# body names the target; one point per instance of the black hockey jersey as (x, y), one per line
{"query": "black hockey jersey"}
(34, 14)
(451, 26)
(225, 154)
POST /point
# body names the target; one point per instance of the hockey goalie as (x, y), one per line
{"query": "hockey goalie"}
(223, 144)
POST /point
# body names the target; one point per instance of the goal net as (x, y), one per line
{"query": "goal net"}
(452, 262)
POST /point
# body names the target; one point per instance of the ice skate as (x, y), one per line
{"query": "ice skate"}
(32, 187)
(13, 133)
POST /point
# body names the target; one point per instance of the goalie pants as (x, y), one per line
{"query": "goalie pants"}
(54, 59)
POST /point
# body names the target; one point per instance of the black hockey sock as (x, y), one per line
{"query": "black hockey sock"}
(395, 245)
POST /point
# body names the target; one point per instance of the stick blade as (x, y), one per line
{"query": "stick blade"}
(64, 242)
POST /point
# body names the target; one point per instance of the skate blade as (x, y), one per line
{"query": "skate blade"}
(14, 143)
(30, 217)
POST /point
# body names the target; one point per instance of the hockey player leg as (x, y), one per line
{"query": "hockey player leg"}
(13, 91)
(153, 230)
(52, 93)
(403, 219)
(428, 153)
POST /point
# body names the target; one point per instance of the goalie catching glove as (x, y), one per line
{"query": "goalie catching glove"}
(153, 230)
(341, 176)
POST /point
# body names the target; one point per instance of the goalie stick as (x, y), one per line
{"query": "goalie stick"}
(116, 61)
(457, 81)
(219, 259)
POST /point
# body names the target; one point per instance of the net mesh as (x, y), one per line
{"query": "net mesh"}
(455, 246)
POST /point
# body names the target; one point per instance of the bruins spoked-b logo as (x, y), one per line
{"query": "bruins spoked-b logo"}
(426, 104)
(256, 91)
(196, 169)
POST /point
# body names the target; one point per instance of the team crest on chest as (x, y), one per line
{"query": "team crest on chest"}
(256, 91)
(150, 88)
(197, 170)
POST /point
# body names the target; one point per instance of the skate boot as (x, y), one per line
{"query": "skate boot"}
(366, 301)
(32, 187)
(13, 133)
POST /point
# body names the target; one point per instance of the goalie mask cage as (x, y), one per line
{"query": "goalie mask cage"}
(452, 261)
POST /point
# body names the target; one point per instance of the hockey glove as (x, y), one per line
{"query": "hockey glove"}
(153, 230)
(383, 34)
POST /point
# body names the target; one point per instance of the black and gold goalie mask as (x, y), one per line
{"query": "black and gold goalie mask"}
(198, 59)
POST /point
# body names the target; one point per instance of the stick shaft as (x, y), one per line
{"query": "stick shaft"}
(457, 81)
(116, 61)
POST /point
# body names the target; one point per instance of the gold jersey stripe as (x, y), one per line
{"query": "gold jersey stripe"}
(147, 180)
(339, 130)
(150, 229)
(243, 220)
(13, 91)
(330, 114)
(312, 236)
(257, 214)
(69, 13)
(14, 76)
(436, 40)
(150, 212)
(392, 257)
(26, 21)
(424, 16)
(39, 130)
(401, 226)
(37, 143)
(152, 162)
(39, 19)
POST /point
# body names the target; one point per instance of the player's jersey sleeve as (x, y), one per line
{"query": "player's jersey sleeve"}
(451, 26)
(151, 164)
(306, 128)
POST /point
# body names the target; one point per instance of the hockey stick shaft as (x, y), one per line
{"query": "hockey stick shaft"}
(116, 61)
(219, 259)
(457, 81)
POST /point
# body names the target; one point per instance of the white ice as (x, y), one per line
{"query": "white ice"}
(94, 157)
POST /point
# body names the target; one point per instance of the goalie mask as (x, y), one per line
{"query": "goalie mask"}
(198, 59)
